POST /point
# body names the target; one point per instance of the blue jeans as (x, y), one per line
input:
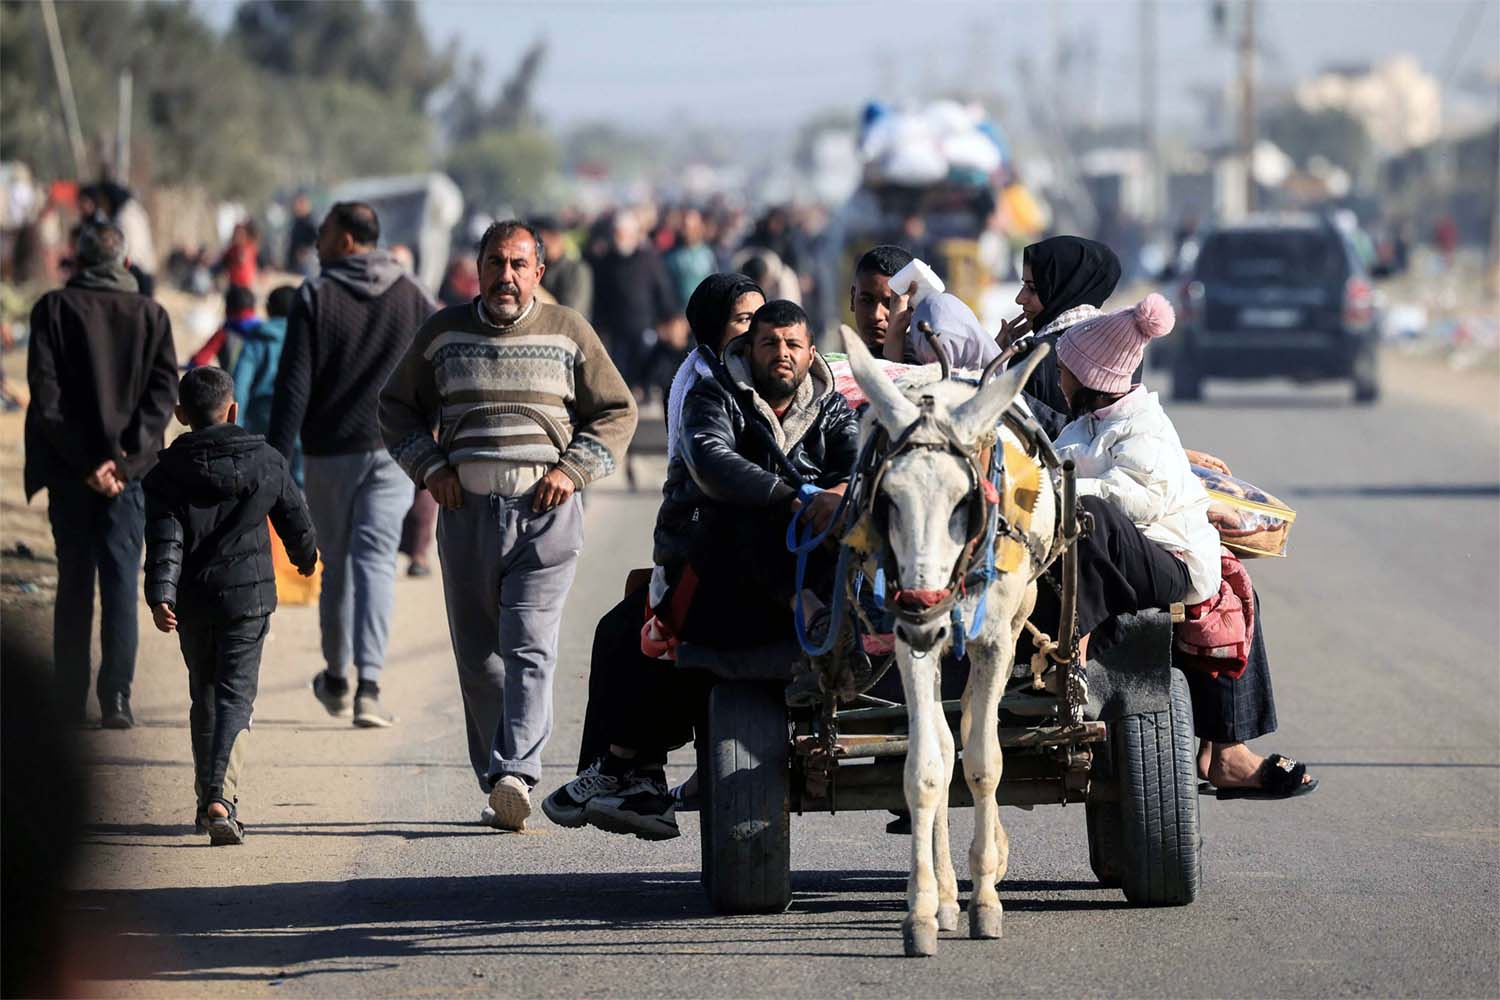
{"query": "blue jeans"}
(96, 538)
(357, 502)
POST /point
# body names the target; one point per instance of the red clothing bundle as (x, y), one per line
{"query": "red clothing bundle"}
(1215, 638)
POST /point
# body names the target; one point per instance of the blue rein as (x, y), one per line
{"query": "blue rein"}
(801, 544)
(987, 576)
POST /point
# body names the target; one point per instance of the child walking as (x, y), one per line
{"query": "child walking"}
(209, 576)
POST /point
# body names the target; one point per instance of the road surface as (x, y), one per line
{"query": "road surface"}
(365, 873)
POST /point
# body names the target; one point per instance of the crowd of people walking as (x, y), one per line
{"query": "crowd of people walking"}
(360, 410)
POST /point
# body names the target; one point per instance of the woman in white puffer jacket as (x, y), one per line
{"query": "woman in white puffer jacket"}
(1124, 446)
(1151, 544)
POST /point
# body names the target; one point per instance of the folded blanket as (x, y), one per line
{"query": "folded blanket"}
(1215, 637)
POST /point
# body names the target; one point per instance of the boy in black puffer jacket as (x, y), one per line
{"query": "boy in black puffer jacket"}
(209, 575)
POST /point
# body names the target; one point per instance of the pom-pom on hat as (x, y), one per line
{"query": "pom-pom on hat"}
(1103, 353)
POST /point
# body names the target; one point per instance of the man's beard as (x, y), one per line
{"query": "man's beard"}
(503, 310)
(774, 388)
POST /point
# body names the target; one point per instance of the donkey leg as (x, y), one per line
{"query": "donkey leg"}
(923, 783)
(982, 768)
(947, 879)
(1002, 850)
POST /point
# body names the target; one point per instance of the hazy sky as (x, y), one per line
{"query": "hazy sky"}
(766, 62)
(773, 62)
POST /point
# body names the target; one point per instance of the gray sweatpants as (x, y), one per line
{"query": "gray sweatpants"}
(506, 573)
(357, 502)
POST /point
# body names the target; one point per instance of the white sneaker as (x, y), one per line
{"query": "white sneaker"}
(511, 801)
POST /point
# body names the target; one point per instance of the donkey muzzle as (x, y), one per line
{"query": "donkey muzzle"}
(922, 637)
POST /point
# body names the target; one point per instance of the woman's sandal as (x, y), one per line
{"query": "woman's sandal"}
(225, 831)
(1280, 778)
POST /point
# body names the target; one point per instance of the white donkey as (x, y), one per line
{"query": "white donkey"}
(930, 490)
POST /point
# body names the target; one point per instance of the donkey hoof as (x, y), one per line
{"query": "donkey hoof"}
(920, 938)
(984, 922)
(947, 917)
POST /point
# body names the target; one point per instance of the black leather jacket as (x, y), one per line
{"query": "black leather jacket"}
(726, 472)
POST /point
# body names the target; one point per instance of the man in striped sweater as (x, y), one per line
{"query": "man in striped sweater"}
(528, 409)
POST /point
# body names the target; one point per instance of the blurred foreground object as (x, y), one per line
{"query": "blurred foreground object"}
(42, 793)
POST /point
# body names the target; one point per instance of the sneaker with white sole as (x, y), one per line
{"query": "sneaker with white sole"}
(368, 713)
(643, 807)
(565, 806)
(510, 798)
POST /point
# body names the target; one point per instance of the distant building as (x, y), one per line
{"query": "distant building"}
(1401, 106)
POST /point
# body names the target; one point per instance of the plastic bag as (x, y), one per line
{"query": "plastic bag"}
(291, 586)
(1251, 522)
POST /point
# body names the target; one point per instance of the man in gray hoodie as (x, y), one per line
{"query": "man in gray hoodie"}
(347, 330)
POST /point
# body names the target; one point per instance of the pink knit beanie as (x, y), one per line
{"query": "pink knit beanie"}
(1103, 353)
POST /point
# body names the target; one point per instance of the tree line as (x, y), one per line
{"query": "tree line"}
(291, 95)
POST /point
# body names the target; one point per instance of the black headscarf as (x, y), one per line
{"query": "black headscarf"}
(709, 305)
(1070, 271)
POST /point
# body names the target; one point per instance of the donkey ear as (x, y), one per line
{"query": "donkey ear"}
(893, 411)
(978, 415)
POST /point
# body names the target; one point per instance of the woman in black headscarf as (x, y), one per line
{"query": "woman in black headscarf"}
(1065, 280)
(719, 310)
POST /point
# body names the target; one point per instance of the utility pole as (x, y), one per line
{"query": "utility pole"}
(64, 85)
(122, 130)
(1247, 101)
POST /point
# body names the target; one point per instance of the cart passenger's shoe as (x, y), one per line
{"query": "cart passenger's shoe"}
(565, 807)
(643, 807)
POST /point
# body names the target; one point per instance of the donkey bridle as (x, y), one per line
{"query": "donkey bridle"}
(924, 606)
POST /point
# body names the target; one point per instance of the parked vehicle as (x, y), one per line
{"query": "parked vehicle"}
(1277, 296)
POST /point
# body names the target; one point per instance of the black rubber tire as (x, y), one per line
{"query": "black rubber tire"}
(1155, 758)
(1106, 851)
(705, 815)
(747, 820)
(1187, 384)
(1366, 380)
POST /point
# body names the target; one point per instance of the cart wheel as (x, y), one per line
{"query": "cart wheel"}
(1155, 760)
(705, 813)
(747, 843)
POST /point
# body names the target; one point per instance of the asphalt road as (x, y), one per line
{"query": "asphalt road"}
(365, 873)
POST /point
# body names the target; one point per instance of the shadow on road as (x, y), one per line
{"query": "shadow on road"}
(391, 828)
(375, 922)
(1397, 764)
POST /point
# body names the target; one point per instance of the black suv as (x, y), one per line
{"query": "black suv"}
(1276, 296)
